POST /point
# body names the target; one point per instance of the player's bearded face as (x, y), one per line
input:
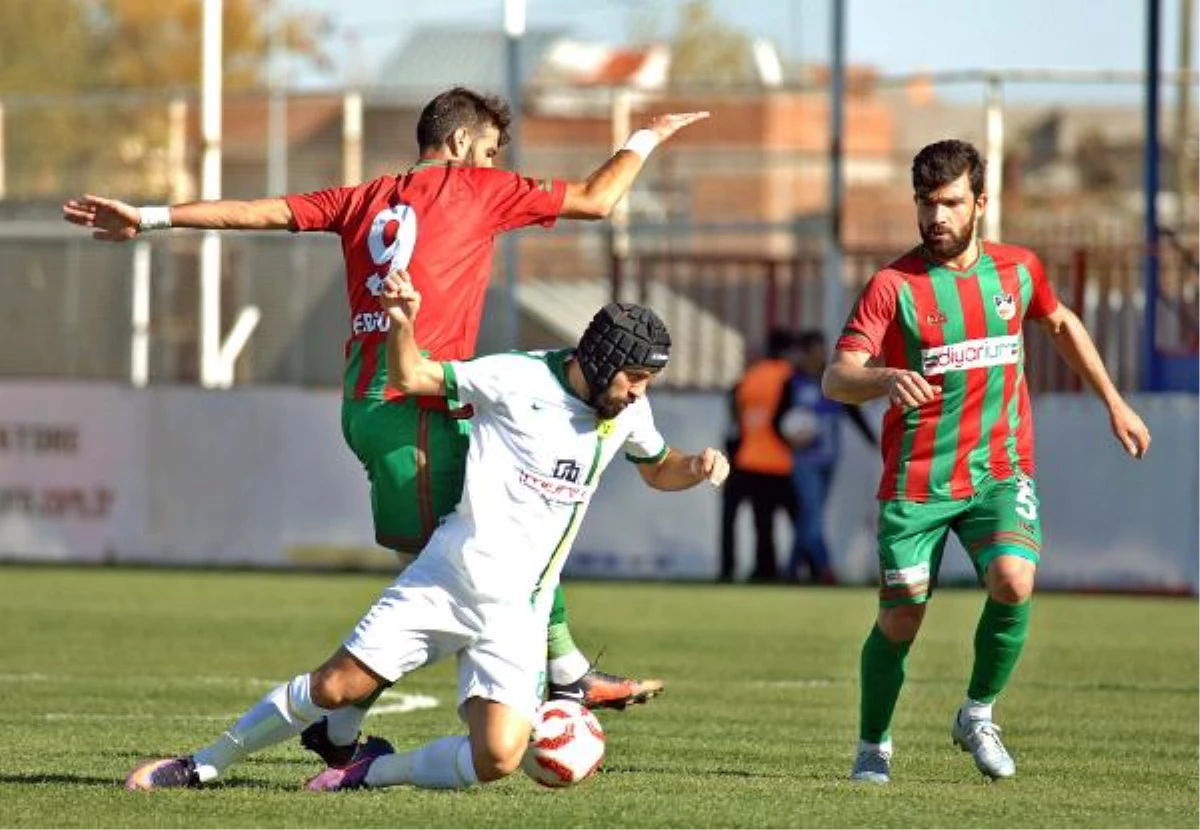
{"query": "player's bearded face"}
(483, 149)
(610, 402)
(946, 218)
(945, 238)
(626, 388)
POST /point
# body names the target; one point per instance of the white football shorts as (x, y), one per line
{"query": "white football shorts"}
(501, 648)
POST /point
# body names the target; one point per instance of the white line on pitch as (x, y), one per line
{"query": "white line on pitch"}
(392, 703)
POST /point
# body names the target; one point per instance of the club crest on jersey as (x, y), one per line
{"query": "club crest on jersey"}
(1006, 306)
(937, 317)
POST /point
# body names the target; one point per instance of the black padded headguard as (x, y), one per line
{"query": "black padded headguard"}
(621, 336)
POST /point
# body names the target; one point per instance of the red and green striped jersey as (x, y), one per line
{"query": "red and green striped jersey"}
(962, 331)
(439, 220)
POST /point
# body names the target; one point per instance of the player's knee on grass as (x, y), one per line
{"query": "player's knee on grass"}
(900, 623)
(499, 736)
(496, 756)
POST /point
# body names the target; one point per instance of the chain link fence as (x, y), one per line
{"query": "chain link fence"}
(725, 229)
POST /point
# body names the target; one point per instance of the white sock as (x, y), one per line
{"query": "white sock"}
(974, 710)
(867, 746)
(345, 724)
(568, 668)
(445, 764)
(282, 713)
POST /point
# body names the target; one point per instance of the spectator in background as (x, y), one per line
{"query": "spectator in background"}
(809, 423)
(761, 459)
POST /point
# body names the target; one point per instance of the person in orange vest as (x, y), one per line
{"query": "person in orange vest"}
(761, 460)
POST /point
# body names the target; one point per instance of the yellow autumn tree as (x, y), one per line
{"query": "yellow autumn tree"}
(85, 85)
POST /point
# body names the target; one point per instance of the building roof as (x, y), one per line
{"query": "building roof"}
(436, 58)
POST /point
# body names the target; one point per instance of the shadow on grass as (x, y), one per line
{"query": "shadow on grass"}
(37, 779)
(40, 778)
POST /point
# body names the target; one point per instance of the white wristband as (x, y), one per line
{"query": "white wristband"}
(154, 218)
(642, 142)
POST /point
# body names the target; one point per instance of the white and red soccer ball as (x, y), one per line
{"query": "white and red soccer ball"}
(567, 744)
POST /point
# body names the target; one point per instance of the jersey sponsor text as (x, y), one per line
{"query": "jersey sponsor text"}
(366, 322)
(565, 492)
(971, 354)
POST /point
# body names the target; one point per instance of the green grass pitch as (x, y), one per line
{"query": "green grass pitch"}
(101, 668)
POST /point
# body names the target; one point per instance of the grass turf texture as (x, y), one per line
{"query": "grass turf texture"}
(101, 668)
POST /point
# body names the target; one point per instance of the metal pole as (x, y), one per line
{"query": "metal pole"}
(622, 104)
(210, 188)
(1183, 175)
(277, 116)
(181, 183)
(1149, 363)
(139, 341)
(514, 30)
(3, 183)
(352, 138)
(994, 153)
(832, 305)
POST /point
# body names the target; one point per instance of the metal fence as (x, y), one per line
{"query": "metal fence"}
(725, 227)
(72, 305)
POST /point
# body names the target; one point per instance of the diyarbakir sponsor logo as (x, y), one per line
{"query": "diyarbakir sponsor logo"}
(971, 354)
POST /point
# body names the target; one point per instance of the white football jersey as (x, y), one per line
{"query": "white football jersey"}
(536, 455)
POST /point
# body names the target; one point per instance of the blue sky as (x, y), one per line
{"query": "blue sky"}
(897, 36)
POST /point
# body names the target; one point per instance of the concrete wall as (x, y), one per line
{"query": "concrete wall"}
(100, 472)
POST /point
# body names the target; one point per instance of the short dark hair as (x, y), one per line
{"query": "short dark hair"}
(942, 162)
(461, 107)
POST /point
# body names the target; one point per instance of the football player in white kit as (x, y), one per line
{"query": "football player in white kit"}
(545, 426)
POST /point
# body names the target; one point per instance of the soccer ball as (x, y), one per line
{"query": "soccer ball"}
(567, 744)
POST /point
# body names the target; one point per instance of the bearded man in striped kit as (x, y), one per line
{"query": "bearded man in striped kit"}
(938, 332)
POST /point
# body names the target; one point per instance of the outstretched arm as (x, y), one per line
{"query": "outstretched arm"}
(679, 471)
(850, 379)
(1076, 347)
(595, 197)
(408, 370)
(116, 221)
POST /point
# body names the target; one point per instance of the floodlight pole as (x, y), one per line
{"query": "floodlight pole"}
(832, 313)
(216, 358)
(139, 341)
(1183, 176)
(3, 185)
(352, 138)
(621, 116)
(277, 114)
(1149, 363)
(995, 159)
(514, 30)
(210, 188)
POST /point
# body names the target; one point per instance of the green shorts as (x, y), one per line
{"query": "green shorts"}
(1001, 519)
(414, 458)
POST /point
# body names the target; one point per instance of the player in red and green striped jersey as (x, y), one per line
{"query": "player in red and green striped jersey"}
(938, 332)
(438, 220)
